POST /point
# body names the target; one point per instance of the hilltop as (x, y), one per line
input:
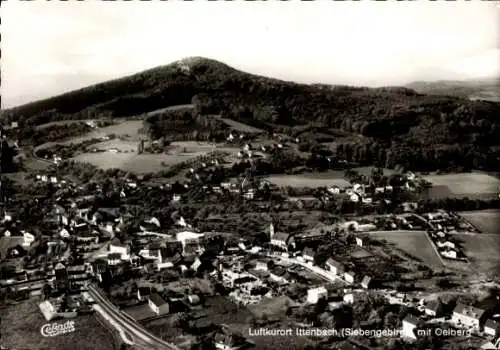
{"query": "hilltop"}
(393, 125)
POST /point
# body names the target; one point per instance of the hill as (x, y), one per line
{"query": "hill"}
(484, 89)
(396, 125)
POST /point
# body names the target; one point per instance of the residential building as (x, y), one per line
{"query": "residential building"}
(467, 315)
(158, 304)
(278, 274)
(315, 294)
(367, 282)
(122, 249)
(410, 322)
(349, 276)
(492, 327)
(450, 254)
(334, 267)
(261, 265)
(114, 259)
(225, 340)
(432, 308)
(280, 240)
(193, 299)
(349, 298)
(359, 241)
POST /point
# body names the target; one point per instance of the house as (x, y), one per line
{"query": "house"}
(114, 258)
(261, 265)
(122, 249)
(280, 239)
(158, 304)
(176, 197)
(467, 315)
(410, 322)
(334, 267)
(450, 254)
(432, 308)
(355, 197)
(379, 189)
(315, 294)
(278, 274)
(225, 340)
(308, 254)
(349, 276)
(196, 264)
(61, 276)
(193, 299)
(28, 238)
(446, 244)
(367, 282)
(492, 327)
(333, 189)
(143, 293)
(359, 241)
(349, 298)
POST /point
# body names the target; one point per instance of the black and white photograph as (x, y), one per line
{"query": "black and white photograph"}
(226, 175)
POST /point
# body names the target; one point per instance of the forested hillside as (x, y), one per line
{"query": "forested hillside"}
(396, 125)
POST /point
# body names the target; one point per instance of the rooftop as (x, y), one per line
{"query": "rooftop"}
(156, 299)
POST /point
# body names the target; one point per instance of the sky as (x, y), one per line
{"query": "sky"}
(50, 47)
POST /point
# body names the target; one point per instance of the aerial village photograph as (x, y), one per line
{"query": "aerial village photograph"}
(250, 175)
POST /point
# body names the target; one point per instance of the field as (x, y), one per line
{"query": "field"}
(414, 243)
(482, 250)
(8, 242)
(309, 180)
(486, 221)
(20, 329)
(128, 159)
(241, 127)
(464, 184)
(129, 128)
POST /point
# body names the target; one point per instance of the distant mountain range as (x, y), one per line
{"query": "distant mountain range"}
(484, 89)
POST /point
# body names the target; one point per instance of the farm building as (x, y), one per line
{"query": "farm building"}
(410, 322)
(315, 294)
(467, 315)
(158, 304)
(334, 267)
(492, 327)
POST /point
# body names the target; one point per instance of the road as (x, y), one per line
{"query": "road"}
(142, 337)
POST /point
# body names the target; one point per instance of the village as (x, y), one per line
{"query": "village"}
(86, 245)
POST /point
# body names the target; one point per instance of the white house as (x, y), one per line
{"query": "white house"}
(432, 308)
(64, 233)
(349, 298)
(334, 267)
(158, 304)
(28, 238)
(467, 315)
(308, 254)
(334, 190)
(176, 197)
(261, 265)
(315, 294)
(122, 249)
(279, 239)
(492, 327)
(349, 276)
(114, 259)
(359, 241)
(450, 254)
(410, 322)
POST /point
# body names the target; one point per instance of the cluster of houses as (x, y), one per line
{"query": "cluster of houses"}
(463, 316)
(447, 247)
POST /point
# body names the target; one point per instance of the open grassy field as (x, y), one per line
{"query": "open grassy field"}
(241, 127)
(466, 184)
(482, 250)
(486, 221)
(414, 243)
(20, 329)
(129, 128)
(145, 163)
(308, 180)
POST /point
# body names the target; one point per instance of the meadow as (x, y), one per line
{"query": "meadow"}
(309, 180)
(463, 184)
(486, 221)
(415, 243)
(20, 329)
(482, 250)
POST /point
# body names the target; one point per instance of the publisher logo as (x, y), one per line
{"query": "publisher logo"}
(54, 329)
